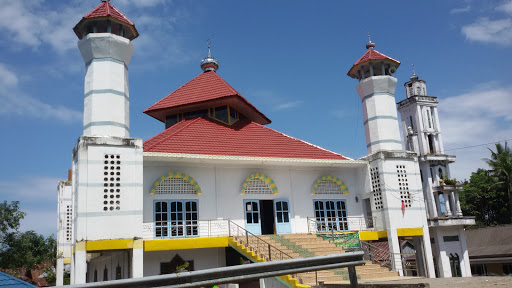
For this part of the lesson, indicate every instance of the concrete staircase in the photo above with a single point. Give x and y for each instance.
(308, 245)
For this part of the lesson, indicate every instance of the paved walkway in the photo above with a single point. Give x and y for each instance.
(463, 282)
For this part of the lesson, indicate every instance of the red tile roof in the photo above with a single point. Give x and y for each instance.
(106, 9)
(206, 87)
(371, 54)
(244, 138)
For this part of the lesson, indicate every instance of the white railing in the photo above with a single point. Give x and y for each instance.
(340, 224)
(202, 228)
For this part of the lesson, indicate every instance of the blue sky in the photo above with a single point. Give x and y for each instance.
(289, 58)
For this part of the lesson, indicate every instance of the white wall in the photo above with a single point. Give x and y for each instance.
(221, 186)
(205, 258)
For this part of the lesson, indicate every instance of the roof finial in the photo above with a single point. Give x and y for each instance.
(370, 44)
(209, 63)
(414, 77)
(209, 47)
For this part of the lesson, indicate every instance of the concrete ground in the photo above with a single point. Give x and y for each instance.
(458, 282)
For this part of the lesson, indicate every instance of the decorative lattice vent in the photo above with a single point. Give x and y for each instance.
(257, 186)
(112, 182)
(328, 187)
(175, 185)
(377, 193)
(68, 223)
(403, 186)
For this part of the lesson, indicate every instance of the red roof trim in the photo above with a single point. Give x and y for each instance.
(370, 55)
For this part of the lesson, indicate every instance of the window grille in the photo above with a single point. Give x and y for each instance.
(403, 185)
(328, 187)
(175, 185)
(257, 186)
(68, 223)
(377, 193)
(112, 182)
(176, 218)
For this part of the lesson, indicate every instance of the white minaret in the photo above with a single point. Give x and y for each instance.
(105, 44)
(377, 92)
(395, 196)
(107, 164)
(422, 134)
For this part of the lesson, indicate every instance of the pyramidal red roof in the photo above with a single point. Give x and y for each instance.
(106, 9)
(371, 54)
(205, 87)
(244, 138)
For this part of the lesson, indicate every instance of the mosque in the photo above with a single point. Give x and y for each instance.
(182, 199)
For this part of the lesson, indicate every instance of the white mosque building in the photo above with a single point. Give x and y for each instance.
(134, 208)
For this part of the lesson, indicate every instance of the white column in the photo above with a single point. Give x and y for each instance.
(431, 273)
(59, 270)
(447, 203)
(394, 250)
(438, 205)
(80, 263)
(465, 266)
(457, 203)
(72, 270)
(138, 259)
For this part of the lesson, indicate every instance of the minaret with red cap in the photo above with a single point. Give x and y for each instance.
(377, 91)
(396, 198)
(105, 43)
(107, 176)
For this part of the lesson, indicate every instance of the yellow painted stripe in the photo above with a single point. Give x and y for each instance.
(403, 232)
(138, 244)
(80, 246)
(372, 235)
(185, 243)
(109, 244)
(67, 260)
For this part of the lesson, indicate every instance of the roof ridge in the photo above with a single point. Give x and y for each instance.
(173, 133)
(227, 84)
(172, 92)
(300, 140)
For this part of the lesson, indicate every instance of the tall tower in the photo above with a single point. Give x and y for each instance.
(422, 132)
(107, 165)
(376, 89)
(395, 196)
(105, 43)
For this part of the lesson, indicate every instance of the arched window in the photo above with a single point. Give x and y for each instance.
(105, 274)
(330, 185)
(176, 183)
(259, 184)
(455, 265)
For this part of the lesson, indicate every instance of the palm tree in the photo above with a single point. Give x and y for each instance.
(501, 166)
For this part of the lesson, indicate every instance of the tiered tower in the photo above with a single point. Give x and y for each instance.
(107, 164)
(422, 132)
(396, 196)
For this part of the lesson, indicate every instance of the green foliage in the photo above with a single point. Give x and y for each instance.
(483, 198)
(501, 167)
(10, 216)
(26, 250)
(51, 277)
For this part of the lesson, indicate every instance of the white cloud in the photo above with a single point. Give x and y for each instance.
(460, 10)
(492, 31)
(275, 101)
(505, 7)
(477, 117)
(38, 198)
(141, 3)
(16, 102)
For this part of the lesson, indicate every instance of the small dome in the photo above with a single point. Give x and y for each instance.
(370, 45)
(414, 77)
(209, 63)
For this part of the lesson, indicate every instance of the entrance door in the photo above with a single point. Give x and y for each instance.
(252, 216)
(282, 217)
(259, 216)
